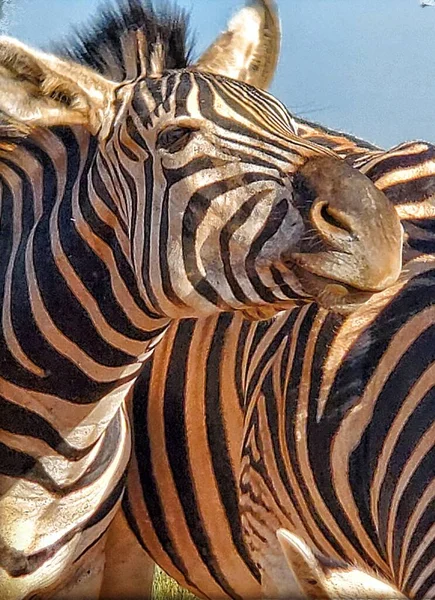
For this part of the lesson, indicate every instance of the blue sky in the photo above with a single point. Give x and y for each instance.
(363, 66)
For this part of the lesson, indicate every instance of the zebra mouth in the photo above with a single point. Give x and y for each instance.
(331, 294)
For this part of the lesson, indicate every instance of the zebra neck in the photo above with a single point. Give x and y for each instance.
(74, 325)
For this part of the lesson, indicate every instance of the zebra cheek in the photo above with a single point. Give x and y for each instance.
(287, 238)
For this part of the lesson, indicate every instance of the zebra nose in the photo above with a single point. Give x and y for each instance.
(359, 230)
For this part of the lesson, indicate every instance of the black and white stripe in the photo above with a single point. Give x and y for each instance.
(310, 421)
(127, 198)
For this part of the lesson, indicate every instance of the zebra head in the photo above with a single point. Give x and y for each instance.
(223, 205)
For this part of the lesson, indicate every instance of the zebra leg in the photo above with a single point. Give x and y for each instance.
(128, 571)
(86, 576)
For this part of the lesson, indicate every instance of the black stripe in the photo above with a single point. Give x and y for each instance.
(170, 81)
(183, 87)
(102, 191)
(261, 328)
(423, 562)
(128, 511)
(147, 268)
(416, 190)
(424, 525)
(291, 406)
(237, 220)
(140, 106)
(17, 464)
(416, 426)
(164, 250)
(23, 421)
(177, 452)
(270, 228)
(6, 237)
(142, 448)
(27, 203)
(197, 164)
(389, 164)
(105, 507)
(270, 350)
(217, 442)
(285, 288)
(239, 365)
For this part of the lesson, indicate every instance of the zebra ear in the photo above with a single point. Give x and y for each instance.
(249, 49)
(329, 579)
(39, 89)
(303, 564)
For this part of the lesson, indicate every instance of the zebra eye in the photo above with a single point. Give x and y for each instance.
(174, 139)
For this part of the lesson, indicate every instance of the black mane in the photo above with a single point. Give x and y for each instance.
(110, 45)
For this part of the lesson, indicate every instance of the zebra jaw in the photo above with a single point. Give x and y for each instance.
(321, 577)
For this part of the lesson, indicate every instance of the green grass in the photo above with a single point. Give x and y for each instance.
(165, 588)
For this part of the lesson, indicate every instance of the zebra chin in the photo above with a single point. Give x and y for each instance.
(329, 293)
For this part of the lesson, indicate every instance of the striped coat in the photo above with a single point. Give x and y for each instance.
(312, 422)
(121, 165)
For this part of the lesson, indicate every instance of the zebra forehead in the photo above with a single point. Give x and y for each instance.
(214, 98)
(130, 39)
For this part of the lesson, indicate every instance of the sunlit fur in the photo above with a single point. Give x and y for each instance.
(308, 421)
(106, 233)
(323, 578)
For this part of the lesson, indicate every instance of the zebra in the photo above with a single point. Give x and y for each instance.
(138, 187)
(245, 429)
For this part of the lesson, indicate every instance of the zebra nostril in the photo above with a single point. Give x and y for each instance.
(334, 219)
(330, 221)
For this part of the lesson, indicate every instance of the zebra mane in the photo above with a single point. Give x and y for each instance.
(131, 39)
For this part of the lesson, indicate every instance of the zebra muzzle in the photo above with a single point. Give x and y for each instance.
(354, 236)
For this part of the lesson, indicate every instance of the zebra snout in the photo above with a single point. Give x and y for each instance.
(354, 235)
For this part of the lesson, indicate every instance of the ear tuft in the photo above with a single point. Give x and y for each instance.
(322, 577)
(303, 564)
